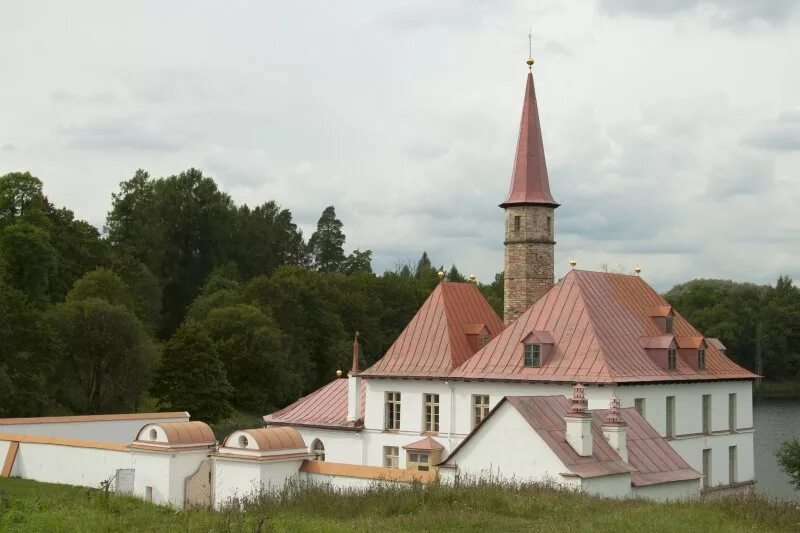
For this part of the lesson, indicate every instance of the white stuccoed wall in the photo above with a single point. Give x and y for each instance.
(239, 478)
(119, 431)
(618, 486)
(508, 448)
(51, 463)
(678, 490)
(151, 470)
(340, 446)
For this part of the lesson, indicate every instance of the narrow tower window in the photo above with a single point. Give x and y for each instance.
(517, 223)
(549, 226)
(701, 359)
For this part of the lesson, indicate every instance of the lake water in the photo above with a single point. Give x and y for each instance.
(775, 421)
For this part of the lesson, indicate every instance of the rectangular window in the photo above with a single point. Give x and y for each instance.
(671, 359)
(517, 223)
(732, 411)
(533, 355)
(392, 410)
(706, 468)
(706, 413)
(419, 461)
(732, 464)
(701, 359)
(670, 322)
(391, 456)
(638, 404)
(432, 413)
(670, 416)
(549, 226)
(480, 408)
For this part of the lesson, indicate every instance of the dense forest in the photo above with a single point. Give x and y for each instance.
(186, 297)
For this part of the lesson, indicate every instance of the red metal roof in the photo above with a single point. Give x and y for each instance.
(649, 453)
(326, 407)
(428, 443)
(651, 459)
(529, 182)
(598, 321)
(436, 340)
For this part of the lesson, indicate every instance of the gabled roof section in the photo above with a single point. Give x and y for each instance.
(651, 460)
(529, 182)
(601, 326)
(649, 453)
(436, 340)
(326, 407)
(426, 444)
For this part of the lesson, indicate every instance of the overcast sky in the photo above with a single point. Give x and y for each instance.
(671, 127)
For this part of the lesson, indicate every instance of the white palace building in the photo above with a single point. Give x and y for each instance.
(594, 383)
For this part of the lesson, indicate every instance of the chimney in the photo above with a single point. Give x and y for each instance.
(354, 387)
(579, 423)
(615, 430)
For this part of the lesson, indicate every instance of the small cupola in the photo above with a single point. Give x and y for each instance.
(537, 347)
(579, 423)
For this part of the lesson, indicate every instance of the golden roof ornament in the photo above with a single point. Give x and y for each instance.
(530, 51)
(473, 279)
(441, 275)
(338, 373)
(573, 262)
(637, 269)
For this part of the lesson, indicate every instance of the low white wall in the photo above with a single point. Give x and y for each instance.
(119, 431)
(678, 490)
(618, 486)
(151, 470)
(236, 479)
(53, 463)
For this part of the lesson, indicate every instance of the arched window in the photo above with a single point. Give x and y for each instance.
(243, 441)
(318, 449)
(153, 434)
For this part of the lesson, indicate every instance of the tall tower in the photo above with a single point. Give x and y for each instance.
(529, 212)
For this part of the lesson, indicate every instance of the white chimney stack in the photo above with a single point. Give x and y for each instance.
(579, 423)
(354, 387)
(615, 430)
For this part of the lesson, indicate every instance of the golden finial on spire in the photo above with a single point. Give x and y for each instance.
(530, 51)
(638, 270)
(441, 275)
(573, 262)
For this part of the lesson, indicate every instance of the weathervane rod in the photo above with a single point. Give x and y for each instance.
(530, 50)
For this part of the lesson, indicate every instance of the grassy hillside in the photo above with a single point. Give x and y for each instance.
(30, 506)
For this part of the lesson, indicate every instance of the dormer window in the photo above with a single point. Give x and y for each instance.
(671, 359)
(533, 355)
(483, 339)
(669, 323)
(701, 359)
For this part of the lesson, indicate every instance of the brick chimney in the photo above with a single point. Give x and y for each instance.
(354, 387)
(579, 423)
(615, 430)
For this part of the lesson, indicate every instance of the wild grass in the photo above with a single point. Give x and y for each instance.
(30, 506)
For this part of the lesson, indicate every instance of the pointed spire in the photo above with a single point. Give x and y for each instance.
(354, 369)
(529, 182)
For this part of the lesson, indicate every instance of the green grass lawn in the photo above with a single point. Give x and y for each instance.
(31, 506)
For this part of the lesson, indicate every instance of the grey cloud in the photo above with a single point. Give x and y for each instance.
(68, 97)
(780, 135)
(118, 134)
(448, 14)
(741, 174)
(725, 12)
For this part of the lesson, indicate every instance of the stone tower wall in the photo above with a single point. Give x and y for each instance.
(529, 250)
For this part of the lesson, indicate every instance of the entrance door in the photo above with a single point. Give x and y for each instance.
(199, 490)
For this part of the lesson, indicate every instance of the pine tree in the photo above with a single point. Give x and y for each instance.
(326, 244)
